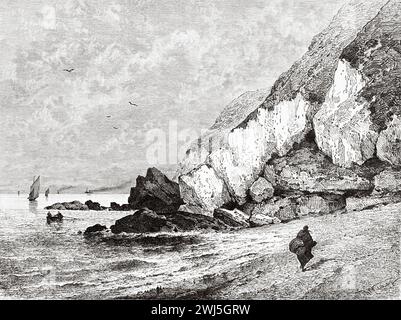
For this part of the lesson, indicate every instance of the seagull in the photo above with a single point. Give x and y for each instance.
(69, 70)
(115, 128)
(108, 116)
(132, 104)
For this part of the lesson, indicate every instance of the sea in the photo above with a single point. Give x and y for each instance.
(56, 261)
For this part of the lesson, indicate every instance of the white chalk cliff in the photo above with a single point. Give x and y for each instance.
(342, 96)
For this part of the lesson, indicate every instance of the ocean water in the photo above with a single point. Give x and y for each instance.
(40, 261)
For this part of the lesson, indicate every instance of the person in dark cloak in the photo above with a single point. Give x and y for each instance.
(302, 246)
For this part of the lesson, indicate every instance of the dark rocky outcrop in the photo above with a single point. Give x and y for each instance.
(119, 207)
(156, 192)
(95, 229)
(95, 206)
(144, 220)
(234, 218)
(74, 205)
(147, 221)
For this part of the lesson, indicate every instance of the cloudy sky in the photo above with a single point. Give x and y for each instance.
(180, 61)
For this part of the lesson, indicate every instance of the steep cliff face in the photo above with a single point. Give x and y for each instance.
(359, 117)
(329, 92)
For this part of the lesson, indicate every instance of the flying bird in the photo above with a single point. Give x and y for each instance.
(133, 104)
(108, 116)
(115, 128)
(69, 70)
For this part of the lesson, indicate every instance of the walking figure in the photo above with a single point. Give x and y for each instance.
(302, 246)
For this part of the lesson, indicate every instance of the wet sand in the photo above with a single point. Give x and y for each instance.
(357, 257)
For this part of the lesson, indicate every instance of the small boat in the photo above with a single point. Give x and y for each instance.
(47, 192)
(34, 191)
(88, 191)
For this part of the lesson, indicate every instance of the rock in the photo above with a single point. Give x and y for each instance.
(204, 189)
(193, 209)
(287, 214)
(237, 150)
(156, 192)
(309, 170)
(95, 229)
(314, 204)
(370, 202)
(56, 206)
(273, 206)
(259, 220)
(117, 207)
(144, 220)
(389, 143)
(292, 207)
(234, 218)
(147, 221)
(261, 190)
(389, 181)
(74, 205)
(185, 221)
(94, 206)
(343, 125)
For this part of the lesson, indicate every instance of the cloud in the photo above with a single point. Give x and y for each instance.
(178, 60)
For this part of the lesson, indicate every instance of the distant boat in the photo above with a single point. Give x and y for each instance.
(34, 191)
(88, 191)
(47, 192)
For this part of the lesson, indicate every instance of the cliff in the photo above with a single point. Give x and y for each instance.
(340, 101)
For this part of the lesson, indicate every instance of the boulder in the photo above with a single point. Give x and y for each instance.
(74, 205)
(308, 170)
(319, 205)
(370, 202)
(156, 192)
(388, 181)
(234, 218)
(292, 207)
(144, 220)
(204, 189)
(259, 220)
(185, 221)
(193, 209)
(389, 143)
(261, 190)
(94, 229)
(117, 207)
(94, 206)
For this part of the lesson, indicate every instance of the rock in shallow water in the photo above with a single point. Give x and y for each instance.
(147, 221)
(94, 229)
(144, 220)
(74, 205)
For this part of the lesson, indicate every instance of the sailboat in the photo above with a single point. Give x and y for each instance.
(34, 191)
(47, 192)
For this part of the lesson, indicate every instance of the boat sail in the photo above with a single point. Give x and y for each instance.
(34, 191)
(47, 192)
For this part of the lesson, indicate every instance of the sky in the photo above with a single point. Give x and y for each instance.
(180, 61)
